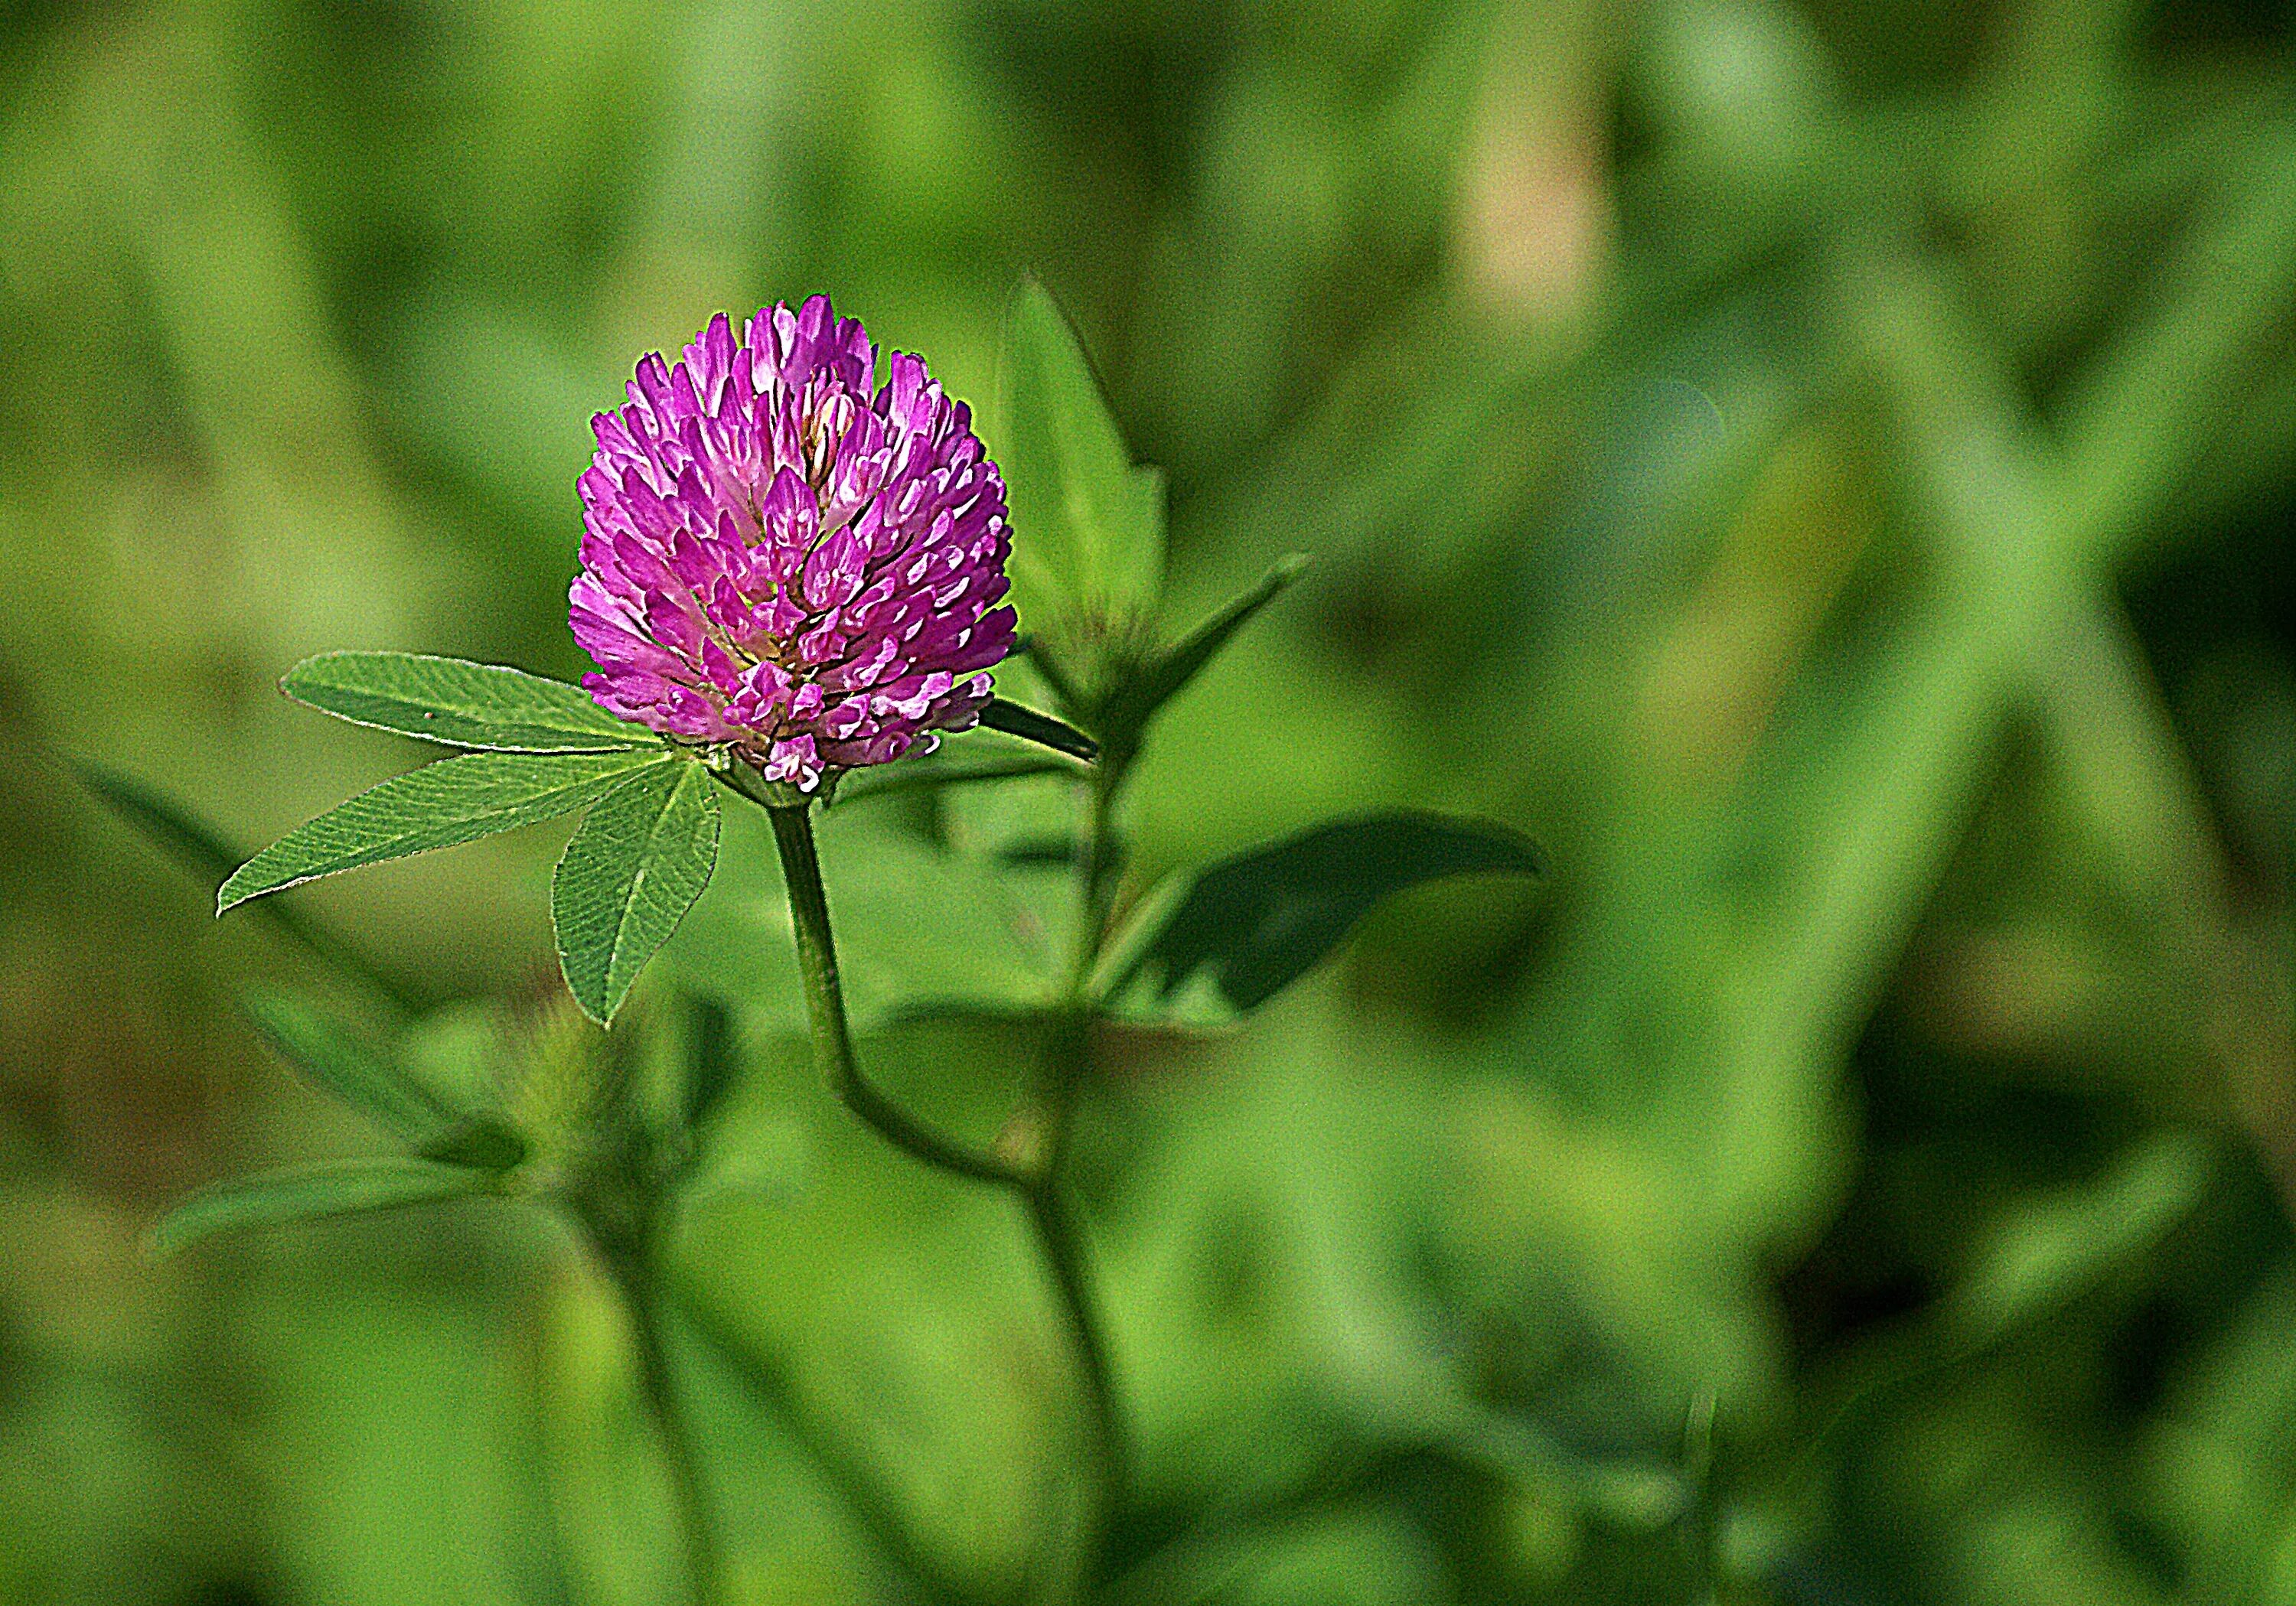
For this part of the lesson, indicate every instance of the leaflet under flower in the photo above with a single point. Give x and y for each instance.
(783, 559)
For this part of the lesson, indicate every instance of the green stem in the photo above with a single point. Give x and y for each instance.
(832, 1037)
(1096, 874)
(1701, 1531)
(855, 1486)
(1063, 1250)
(704, 1567)
(1049, 1214)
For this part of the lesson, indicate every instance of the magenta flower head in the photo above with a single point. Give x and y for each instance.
(785, 559)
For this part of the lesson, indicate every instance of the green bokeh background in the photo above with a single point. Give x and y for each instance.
(1828, 471)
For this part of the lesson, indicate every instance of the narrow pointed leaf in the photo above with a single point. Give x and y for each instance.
(628, 878)
(458, 703)
(1249, 926)
(1042, 729)
(324, 1050)
(308, 1192)
(1166, 674)
(456, 799)
(191, 842)
(1088, 526)
(210, 857)
(893, 780)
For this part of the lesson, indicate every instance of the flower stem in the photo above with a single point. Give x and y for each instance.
(1038, 1185)
(1700, 1531)
(832, 1038)
(1096, 867)
(1048, 1208)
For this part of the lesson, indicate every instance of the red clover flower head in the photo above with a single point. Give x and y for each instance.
(784, 558)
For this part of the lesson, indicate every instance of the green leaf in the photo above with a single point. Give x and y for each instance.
(1087, 525)
(2045, 1252)
(893, 779)
(628, 878)
(456, 799)
(1249, 926)
(1165, 676)
(1010, 717)
(459, 703)
(485, 1142)
(192, 842)
(306, 1193)
(322, 1050)
(211, 856)
(712, 1058)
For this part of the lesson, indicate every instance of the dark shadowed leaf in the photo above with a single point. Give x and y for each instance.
(893, 780)
(455, 800)
(328, 1053)
(628, 878)
(338, 1188)
(459, 703)
(1251, 925)
(485, 1141)
(1042, 729)
(712, 1057)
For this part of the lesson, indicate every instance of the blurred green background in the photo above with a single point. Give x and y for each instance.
(1826, 470)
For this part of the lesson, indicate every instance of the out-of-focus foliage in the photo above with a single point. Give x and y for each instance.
(1825, 471)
